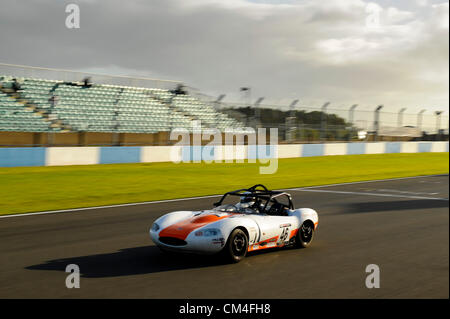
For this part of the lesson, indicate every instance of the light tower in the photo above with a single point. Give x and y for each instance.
(323, 122)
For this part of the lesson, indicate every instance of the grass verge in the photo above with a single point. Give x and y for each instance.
(29, 189)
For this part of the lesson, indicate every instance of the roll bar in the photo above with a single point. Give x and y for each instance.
(253, 191)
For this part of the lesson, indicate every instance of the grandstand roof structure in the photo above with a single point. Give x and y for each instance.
(42, 105)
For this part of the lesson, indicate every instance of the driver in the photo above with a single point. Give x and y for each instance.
(249, 202)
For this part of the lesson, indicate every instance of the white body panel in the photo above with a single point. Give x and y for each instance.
(264, 231)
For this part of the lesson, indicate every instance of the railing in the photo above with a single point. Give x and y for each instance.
(19, 71)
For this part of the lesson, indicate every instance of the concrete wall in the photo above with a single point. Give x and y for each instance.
(49, 139)
(51, 156)
(18, 138)
(72, 155)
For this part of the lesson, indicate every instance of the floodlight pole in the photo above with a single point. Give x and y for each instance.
(217, 106)
(323, 122)
(438, 123)
(247, 93)
(419, 119)
(400, 117)
(292, 107)
(351, 112)
(376, 123)
(257, 111)
(290, 120)
(219, 99)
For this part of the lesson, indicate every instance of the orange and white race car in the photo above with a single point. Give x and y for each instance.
(261, 219)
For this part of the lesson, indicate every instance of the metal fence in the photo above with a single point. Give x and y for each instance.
(376, 121)
(19, 71)
(359, 118)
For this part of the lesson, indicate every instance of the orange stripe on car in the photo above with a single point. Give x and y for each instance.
(293, 233)
(258, 246)
(182, 229)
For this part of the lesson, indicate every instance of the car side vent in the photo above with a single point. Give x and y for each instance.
(172, 241)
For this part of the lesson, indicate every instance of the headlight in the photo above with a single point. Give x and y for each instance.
(155, 227)
(208, 232)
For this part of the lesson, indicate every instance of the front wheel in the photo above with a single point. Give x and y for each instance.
(305, 235)
(237, 246)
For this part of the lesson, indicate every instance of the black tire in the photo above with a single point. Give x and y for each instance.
(237, 245)
(305, 235)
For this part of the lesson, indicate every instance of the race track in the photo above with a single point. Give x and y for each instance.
(400, 225)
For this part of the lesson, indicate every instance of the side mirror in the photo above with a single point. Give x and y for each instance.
(216, 204)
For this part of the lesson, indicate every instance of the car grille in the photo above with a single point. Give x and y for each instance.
(172, 241)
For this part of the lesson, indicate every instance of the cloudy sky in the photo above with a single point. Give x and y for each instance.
(344, 51)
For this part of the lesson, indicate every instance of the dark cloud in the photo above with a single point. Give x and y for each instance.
(309, 49)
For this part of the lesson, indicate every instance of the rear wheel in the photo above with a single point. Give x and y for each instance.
(305, 235)
(237, 246)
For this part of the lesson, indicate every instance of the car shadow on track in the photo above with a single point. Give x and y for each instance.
(402, 205)
(129, 261)
(132, 261)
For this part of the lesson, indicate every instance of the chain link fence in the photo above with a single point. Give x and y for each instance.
(340, 124)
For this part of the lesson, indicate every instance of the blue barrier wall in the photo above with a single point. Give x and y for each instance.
(356, 148)
(22, 156)
(117, 154)
(197, 153)
(424, 147)
(313, 150)
(41, 156)
(393, 147)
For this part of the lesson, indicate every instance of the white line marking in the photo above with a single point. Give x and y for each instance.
(364, 182)
(404, 192)
(369, 194)
(106, 206)
(200, 197)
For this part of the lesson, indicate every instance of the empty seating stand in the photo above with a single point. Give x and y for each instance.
(14, 116)
(103, 108)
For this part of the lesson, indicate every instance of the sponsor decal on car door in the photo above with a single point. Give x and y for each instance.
(274, 231)
(284, 237)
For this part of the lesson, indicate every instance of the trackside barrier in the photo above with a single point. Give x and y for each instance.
(56, 156)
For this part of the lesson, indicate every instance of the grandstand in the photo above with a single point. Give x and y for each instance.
(38, 105)
(100, 108)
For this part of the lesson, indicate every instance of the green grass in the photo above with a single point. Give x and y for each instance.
(50, 188)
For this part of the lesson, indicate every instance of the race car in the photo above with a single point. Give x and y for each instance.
(260, 219)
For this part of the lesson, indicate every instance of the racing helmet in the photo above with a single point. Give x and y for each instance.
(247, 201)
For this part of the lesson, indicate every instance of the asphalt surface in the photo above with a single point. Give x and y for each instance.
(400, 225)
